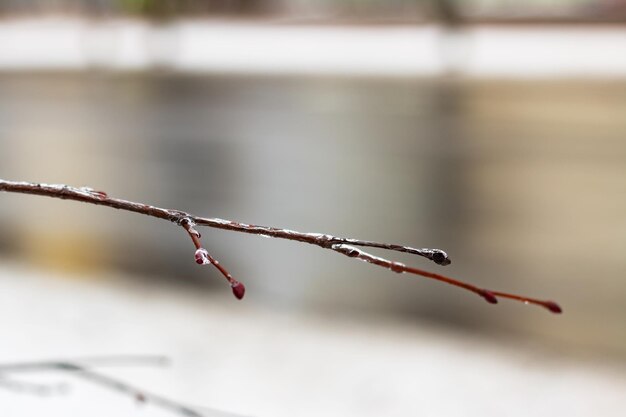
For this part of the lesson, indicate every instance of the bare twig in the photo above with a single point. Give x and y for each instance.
(204, 258)
(345, 246)
(83, 368)
(90, 361)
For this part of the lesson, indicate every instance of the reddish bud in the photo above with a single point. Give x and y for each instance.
(238, 289)
(202, 257)
(488, 296)
(553, 307)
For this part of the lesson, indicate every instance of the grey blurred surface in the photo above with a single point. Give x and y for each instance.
(251, 360)
(522, 182)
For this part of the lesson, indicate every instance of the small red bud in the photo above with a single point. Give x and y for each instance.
(489, 296)
(553, 307)
(202, 257)
(238, 289)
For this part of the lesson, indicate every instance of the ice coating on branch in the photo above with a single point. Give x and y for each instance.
(202, 257)
(439, 257)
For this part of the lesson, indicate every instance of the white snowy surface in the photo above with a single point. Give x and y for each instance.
(247, 360)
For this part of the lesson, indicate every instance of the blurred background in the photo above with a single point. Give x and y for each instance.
(492, 129)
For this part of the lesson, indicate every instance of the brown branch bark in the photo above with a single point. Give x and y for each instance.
(345, 246)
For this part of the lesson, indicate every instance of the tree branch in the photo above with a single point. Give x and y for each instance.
(345, 246)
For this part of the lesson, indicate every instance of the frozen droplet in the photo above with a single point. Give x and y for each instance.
(553, 307)
(202, 257)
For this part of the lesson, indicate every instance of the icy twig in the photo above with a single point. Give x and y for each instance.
(345, 246)
(203, 257)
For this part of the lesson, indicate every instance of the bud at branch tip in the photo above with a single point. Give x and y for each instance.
(238, 289)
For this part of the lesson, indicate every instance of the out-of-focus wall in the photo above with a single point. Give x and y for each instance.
(421, 123)
(521, 181)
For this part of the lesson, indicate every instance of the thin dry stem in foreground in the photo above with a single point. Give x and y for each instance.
(83, 368)
(345, 246)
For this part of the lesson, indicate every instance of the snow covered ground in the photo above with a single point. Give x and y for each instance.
(247, 360)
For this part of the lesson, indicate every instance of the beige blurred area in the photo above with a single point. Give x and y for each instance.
(492, 131)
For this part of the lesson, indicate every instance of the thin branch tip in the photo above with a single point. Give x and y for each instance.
(553, 307)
